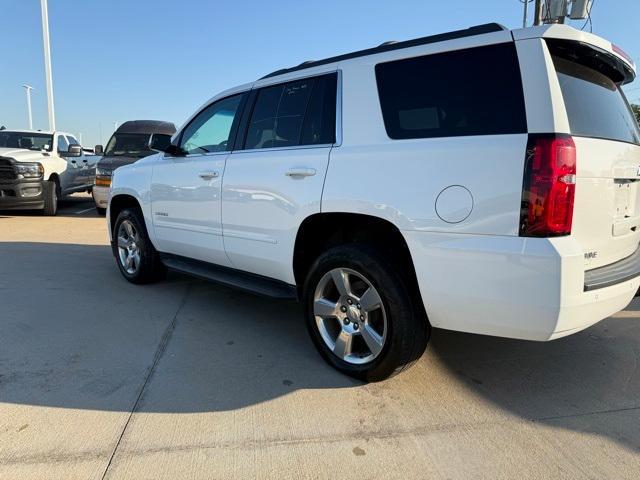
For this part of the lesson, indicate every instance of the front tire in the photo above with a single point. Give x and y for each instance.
(361, 314)
(50, 192)
(136, 256)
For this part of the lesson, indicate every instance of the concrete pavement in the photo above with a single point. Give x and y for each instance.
(183, 379)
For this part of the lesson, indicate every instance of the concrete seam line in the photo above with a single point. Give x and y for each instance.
(162, 346)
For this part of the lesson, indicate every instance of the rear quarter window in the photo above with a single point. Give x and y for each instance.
(476, 91)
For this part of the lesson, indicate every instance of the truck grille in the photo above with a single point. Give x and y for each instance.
(7, 173)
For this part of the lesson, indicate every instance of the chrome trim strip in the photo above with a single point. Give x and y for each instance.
(207, 230)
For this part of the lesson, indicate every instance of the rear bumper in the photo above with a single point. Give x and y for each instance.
(22, 195)
(101, 196)
(526, 288)
(609, 275)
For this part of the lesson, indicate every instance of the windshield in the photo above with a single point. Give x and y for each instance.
(129, 145)
(27, 140)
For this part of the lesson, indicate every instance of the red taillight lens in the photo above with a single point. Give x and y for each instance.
(549, 186)
(623, 54)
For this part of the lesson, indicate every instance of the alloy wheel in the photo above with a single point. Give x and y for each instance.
(128, 247)
(350, 316)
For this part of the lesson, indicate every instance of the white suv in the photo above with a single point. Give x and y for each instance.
(484, 180)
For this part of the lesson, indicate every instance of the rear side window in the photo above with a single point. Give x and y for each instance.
(595, 105)
(476, 91)
(301, 112)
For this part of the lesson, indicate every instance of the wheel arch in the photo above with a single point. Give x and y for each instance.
(321, 231)
(54, 177)
(118, 203)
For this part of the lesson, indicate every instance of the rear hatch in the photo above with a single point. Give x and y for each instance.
(606, 217)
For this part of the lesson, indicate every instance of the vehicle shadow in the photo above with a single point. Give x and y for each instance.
(588, 382)
(74, 334)
(76, 205)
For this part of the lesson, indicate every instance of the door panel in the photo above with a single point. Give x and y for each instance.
(186, 206)
(87, 165)
(275, 178)
(266, 196)
(70, 177)
(186, 188)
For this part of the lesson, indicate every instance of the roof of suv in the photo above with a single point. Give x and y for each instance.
(390, 46)
(147, 126)
(623, 62)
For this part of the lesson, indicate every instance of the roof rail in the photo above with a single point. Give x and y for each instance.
(390, 46)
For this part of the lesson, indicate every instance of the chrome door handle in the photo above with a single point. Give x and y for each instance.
(208, 175)
(300, 172)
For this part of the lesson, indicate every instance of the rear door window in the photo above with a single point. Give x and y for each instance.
(476, 91)
(301, 112)
(596, 106)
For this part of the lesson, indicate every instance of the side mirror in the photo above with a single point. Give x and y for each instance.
(74, 151)
(162, 143)
(159, 142)
(98, 150)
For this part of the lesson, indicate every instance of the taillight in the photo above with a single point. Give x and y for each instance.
(623, 54)
(549, 186)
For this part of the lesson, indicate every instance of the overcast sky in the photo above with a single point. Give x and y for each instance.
(118, 60)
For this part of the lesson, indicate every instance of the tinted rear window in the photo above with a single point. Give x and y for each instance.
(595, 105)
(301, 112)
(476, 91)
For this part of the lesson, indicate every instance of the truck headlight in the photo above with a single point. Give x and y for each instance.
(103, 177)
(29, 170)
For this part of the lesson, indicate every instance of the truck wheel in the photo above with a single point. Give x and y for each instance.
(50, 191)
(136, 257)
(101, 211)
(361, 314)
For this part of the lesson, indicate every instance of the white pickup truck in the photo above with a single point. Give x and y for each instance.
(37, 168)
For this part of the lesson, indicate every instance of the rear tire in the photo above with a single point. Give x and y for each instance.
(101, 211)
(50, 192)
(135, 255)
(395, 316)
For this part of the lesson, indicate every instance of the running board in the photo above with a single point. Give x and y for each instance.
(249, 282)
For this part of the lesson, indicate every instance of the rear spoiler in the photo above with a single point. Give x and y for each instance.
(618, 65)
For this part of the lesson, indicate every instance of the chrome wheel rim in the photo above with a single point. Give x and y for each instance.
(350, 316)
(128, 247)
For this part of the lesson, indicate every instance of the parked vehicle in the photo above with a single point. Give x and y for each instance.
(484, 181)
(38, 168)
(128, 144)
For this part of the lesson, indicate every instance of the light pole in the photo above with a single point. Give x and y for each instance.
(537, 16)
(27, 90)
(526, 14)
(47, 64)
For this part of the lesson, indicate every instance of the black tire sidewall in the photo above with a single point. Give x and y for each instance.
(407, 329)
(51, 198)
(148, 269)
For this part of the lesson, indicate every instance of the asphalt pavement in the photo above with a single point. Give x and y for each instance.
(186, 380)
